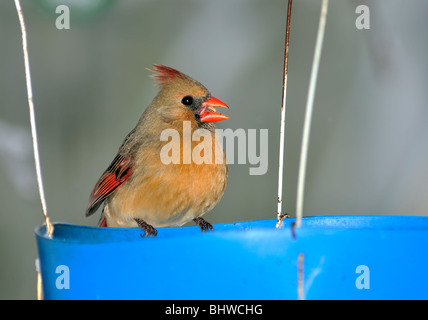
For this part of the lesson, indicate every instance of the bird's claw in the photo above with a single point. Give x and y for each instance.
(148, 229)
(204, 225)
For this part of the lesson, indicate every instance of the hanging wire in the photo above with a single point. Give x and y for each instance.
(39, 281)
(308, 115)
(280, 215)
(49, 226)
(300, 276)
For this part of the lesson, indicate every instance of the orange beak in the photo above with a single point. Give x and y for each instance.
(208, 112)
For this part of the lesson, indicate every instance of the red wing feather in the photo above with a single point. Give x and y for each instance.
(116, 174)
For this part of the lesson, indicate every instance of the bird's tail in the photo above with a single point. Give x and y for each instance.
(102, 222)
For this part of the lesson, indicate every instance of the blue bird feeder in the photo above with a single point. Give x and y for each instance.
(341, 257)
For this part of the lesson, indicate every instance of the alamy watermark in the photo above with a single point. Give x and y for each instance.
(363, 280)
(63, 20)
(63, 280)
(203, 147)
(363, 20)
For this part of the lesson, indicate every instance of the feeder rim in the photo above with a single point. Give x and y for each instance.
(312, 223)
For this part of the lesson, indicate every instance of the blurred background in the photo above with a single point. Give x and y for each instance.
(369, 142)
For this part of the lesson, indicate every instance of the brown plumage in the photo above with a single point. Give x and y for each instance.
(138, 189)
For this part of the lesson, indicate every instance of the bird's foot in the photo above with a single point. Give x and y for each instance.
(148, 229)
(204, 225)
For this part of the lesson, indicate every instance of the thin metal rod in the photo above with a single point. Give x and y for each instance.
(283, 108)
(49, 226)
(39, 280)
(308, 115)
(300, 277)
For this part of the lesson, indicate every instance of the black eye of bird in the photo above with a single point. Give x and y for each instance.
(187, 100)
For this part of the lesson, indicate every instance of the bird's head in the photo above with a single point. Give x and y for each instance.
(183, 98)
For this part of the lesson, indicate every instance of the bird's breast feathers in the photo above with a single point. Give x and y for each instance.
(174, 193)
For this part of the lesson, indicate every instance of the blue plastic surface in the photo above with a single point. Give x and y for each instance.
(245, 260)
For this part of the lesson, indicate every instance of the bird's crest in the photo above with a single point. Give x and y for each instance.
(163, 74)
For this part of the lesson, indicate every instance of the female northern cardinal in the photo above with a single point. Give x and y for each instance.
(138, 188)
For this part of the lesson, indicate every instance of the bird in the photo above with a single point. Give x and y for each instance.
(138, 189)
